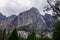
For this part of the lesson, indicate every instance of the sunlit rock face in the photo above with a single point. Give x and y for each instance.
(33, 18)
(30, 17)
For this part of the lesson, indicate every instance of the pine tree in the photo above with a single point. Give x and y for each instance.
(46, 38)
(32, 36)
(1, 34)
(56, 26)
(14, 35)
(56, 31)
(4, 35)
(21, 38)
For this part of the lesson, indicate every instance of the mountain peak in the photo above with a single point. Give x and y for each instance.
(33, 8)
(1, 14)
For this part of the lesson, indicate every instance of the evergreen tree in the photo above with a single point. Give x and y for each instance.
(0, 34)
(54, 7)
(56, 26)
(4, 35)
(14, 35)
(44, 38)
(21, 38)
(56, 31)
(32, 36)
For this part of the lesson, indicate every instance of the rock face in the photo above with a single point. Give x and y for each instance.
(11, 22)
(2, 21)
(49, 20)
(7, 22)
(31, 17)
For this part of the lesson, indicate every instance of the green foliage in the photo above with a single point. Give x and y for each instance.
(58, 15)
(56, 31)
(21, 38)
(54, 16)
(25, 28)
(3, 35)
(14, 35)
(44, 38)
(32, 36)
(57, 3)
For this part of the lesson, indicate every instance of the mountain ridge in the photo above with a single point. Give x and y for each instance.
(31, 17)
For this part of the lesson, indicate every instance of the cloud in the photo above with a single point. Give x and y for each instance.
(2, 3)
(10, 7)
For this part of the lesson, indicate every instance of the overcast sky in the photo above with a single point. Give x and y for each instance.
(10, 7)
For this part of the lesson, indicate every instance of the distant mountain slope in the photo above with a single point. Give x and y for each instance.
(2, 21)
(49, 19)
